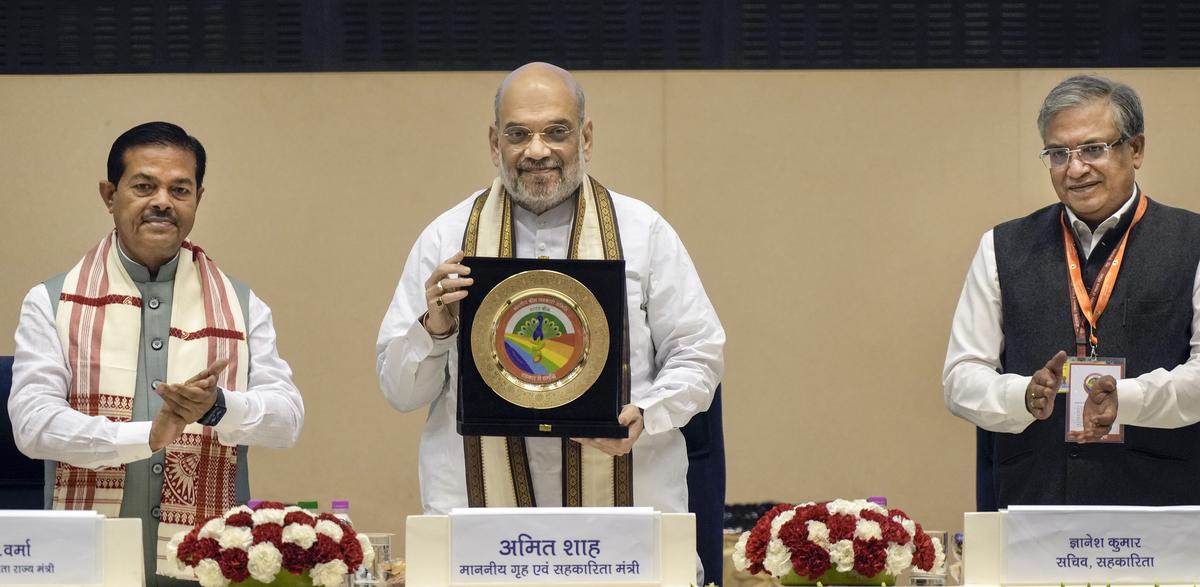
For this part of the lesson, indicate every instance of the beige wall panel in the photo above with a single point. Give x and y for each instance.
(832, 216)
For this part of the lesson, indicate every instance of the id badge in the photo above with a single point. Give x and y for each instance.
(1078, 377)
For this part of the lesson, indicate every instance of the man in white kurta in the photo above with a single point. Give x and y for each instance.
(131, 452)
(675, 338)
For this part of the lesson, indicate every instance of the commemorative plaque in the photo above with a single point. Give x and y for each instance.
(540, 348)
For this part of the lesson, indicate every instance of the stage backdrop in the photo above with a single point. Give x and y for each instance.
(832, 216)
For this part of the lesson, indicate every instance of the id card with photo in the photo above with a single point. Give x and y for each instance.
(1080, 377)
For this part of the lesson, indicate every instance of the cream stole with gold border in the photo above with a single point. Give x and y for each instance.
(498, 467)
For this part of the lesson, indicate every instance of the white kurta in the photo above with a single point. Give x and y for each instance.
(676, 353)
(976, 391)
(46, 427)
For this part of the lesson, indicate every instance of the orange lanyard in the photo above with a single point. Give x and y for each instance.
(1092, 304)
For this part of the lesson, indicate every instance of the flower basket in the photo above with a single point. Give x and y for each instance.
(269, 545)
(832, 577)
(837, 542)
(284, 579)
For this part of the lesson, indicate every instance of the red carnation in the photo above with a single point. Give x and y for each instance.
(756, 544)
(240, 520)
(295, 558)
(298, 518)
(793, 533)
(205, 548)
(269, 505)
(233, 564)
(352, 552)
(268, 532)
(894, 532)
(810, 560)
(841, 527)
(336, 520)
(324, 549)
(898, 512)
(872, 516)
(816, 511)
(923, 555)
(869, 557)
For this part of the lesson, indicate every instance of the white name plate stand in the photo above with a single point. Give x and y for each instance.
(552, 547)
(1052, 546)
(69, 549)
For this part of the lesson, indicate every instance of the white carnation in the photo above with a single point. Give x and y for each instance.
(778, 560)
(235, 537)
(175, 567)
(868, 530)
(268, 516)
(213, 528)
(739, 552)
(264, 562)
(841, 554)
(330, 574)
(909, 525)
(780, 520)
(301, 535)
(237, 510)
(330, 529)
(209, 573)
(939, 557)
(843, 506)
(874, 507)
(818, 533)
(899, 558)
(287, 509)
(368, 551)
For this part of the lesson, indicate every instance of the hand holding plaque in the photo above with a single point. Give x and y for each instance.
(444, 289)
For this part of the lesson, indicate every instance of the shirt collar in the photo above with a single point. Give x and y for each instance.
(141, 274)
(1080, 226)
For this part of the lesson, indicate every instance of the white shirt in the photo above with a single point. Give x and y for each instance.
(676, 353)
(46, 427)
(975, 391)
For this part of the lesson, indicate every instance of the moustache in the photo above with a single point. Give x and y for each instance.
(159, 217)
(528, 165)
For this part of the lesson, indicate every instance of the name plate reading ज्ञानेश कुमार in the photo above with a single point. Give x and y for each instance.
(1102, 544)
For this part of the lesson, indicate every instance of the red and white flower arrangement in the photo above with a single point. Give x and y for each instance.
(844, 536)
(262, 542)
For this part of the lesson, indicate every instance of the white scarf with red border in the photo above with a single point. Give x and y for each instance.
(99, 322)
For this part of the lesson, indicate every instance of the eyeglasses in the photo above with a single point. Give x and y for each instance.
(553, 134)
(1089, 153)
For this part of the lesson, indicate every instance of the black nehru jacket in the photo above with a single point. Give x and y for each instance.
(1148, 322)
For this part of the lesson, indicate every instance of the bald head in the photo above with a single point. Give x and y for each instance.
(537, 82)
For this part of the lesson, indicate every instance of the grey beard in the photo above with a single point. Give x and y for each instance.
(542, 200)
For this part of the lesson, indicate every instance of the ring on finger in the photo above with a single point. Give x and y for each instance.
(438, 300)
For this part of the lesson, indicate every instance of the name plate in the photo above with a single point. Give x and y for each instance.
(50, 547)
(1057, 544)
(521, 546)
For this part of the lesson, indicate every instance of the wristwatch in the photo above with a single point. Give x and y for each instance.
(214, 414)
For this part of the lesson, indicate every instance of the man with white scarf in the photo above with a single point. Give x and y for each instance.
(540, 142)
(142, 374)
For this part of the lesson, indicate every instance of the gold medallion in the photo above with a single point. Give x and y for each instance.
(540, 339)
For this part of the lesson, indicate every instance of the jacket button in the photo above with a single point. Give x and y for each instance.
(157, 468)
(154, 511)
(153, 303)
(1074, 452)
(156, 344)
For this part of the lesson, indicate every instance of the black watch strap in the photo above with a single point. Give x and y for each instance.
(214, 414)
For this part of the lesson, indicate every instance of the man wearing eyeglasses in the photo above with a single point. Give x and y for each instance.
(1106, 280)
(546, 205)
